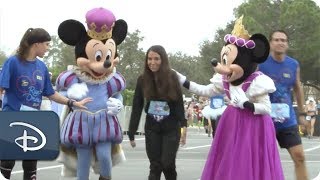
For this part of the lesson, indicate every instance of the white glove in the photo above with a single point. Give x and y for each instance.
(182, 78)
(239, 97)
(114, 106)
(78, 91)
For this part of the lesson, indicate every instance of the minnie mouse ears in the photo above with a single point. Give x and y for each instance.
(257, 43)
(261, 51)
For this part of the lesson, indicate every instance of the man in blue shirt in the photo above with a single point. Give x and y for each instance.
(285, 72)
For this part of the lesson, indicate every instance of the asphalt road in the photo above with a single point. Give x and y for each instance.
(190, 161)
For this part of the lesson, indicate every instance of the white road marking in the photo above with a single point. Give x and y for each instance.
(195, 147)
(290, 161)
(138, 139)
(317, 178)
(183, 148)
(57, 166)
(60, 166)
(39, 169)
(311, 149)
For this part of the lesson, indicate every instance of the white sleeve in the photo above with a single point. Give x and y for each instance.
(258, 93)
(262, 104)
(215, 88)
(261, 85)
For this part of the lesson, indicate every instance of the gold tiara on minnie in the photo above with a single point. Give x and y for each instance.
(100, 22)
(239, 36)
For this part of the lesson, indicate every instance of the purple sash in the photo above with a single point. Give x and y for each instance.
(245, 85)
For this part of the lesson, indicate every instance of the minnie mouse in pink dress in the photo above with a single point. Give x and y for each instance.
(245, 146)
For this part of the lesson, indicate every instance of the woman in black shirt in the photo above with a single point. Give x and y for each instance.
(159, 90)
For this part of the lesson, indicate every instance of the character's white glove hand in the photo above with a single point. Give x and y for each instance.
(182, 78)
(114, 106)
(239, 97)
(78, 91)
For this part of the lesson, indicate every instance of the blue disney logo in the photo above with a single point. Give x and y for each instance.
(33, 95)
(31, 87)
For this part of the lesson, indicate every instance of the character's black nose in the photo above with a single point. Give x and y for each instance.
(107, 63)
(214, 62)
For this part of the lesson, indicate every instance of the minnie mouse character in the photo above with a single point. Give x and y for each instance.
(97, 127)
(244, 147)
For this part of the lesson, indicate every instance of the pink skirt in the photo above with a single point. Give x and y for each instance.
(244, 148)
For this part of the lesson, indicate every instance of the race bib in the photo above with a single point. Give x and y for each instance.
(159, 110)
(280, 112)
(27, 108)
(216, 102)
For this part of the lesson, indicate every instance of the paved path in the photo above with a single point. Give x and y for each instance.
(190, 161)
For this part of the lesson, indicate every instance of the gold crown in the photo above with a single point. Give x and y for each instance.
(103, 34)
(239, 30)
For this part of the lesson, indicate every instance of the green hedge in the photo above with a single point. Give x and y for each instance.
(127, 95)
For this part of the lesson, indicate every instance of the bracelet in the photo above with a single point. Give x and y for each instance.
(70, 103)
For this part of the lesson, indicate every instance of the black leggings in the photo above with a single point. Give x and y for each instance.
(214, 124)
(29, 168)
(161, 149)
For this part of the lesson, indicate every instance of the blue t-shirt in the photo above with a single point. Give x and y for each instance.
(284, 76)
(25, 82)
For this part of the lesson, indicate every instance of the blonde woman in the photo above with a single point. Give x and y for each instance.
(311, 110)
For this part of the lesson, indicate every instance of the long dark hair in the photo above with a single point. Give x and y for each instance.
(31, 36)
(163, 84)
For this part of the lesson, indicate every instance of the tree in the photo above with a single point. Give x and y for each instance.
(304, 33)
(211, 50)
(59, 57)
(299, 18)
(188, 66)
(131, 58)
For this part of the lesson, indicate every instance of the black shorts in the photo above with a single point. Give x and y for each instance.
(288, 137)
